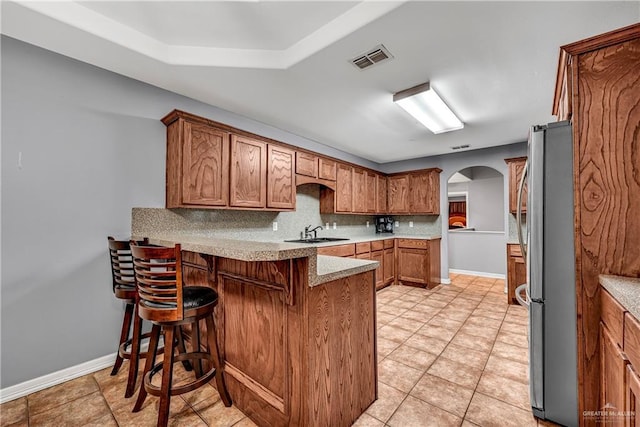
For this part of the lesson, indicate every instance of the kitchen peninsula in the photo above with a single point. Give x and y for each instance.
(296, 330)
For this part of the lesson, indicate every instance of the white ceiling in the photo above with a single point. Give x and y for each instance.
(287, 63)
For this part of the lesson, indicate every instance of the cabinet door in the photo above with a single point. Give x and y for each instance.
(413, 265)
(613, 375)
(632, 404)
(433, 198)
(344, 186)
(516, 272)
(306, 164)
(389, 265)
(379, 256)
(281, 188)
(359, 190)
(516, 168)
(326, 169)
(205, 166)
(381, 195)
(419, 199)
(398, 193)
(371, 197)
(248, 172)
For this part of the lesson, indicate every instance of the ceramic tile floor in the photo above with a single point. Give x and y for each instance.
(455, 355)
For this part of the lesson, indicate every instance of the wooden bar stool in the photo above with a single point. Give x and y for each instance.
(163, 300)
(124, 288)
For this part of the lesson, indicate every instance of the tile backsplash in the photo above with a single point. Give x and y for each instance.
(258, 225)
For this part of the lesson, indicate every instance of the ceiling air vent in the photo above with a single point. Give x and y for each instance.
(374, 56)
(460, 147)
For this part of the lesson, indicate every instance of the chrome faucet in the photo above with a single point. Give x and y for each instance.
(308, 230)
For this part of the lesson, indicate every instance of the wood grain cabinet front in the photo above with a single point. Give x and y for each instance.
(197, 167)
(281, 188)
(516, 271)
(359, 188)
(248, 177)
(416, 192)
(306, 164)
(418, 262)
(516, 169)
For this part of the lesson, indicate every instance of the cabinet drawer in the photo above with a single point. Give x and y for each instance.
(363, 247)
(388, 243)
(632, 339)
(412, 243)
(365, 255)
(340, 250)
(377, 245)
(514, 250)
(612, 316)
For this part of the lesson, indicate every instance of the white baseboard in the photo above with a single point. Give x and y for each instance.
(55, 378)
(477, 273)
(445, 281)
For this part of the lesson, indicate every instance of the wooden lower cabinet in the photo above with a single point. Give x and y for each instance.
(379, 256)
(619, 362)
(303, 358)
(632, 397)
(516, 271)
(418, 262)
(389, 267)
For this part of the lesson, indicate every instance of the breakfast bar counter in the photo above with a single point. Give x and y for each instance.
(296, 330)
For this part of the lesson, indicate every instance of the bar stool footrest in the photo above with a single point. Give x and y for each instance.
(184, 388)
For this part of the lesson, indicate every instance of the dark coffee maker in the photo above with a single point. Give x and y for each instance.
(384, 224)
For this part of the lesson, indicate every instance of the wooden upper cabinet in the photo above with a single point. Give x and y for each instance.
(248, 180)
(307, 164)
(381, 194)
(371, 196)
(359, 190)
(205, 165)
(326, 169)
(344, 186)
(281, 187)
(398, 193)
(516, 169)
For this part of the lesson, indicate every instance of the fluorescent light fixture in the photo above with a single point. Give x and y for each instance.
(424, 104)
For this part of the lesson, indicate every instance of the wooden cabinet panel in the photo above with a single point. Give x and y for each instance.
(248, 172)
(326, 169)
(306, 164)
(389, 271)
(359, 190)
(420, 193)
(338, 250)
(398, 193)
(381, 194)
(372, 190)
(281, 188)
(377, 245)
(388, 243)
(632, 399)
(612, 316)
(363, 247)
(365, 255)
(516, 271)
(379, 256)
(516, 169)
(344, 186)
(413, 265)
(632, 339)
(205, 165)
(413, 243)
(613, 380)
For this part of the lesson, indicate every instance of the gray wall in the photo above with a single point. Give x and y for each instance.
(451, 163)
(92, 148)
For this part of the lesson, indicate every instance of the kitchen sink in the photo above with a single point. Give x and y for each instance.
(317, 240)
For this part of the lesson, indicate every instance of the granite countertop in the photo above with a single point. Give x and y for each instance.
(322, 268)
(626, 290)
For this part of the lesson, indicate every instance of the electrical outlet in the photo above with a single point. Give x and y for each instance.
(397, 224)
(326, 226)
(367, 224)
(410, 224)
(334, 226)
(275, 225)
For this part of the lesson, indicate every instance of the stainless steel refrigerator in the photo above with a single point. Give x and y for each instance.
(550, 292)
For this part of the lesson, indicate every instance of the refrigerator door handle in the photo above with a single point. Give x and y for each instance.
(523, 301)
(523, 178)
